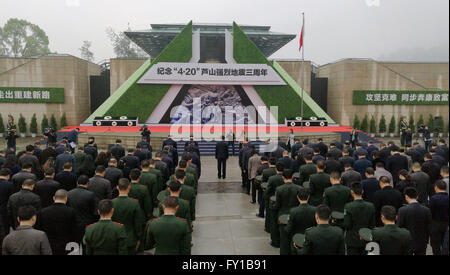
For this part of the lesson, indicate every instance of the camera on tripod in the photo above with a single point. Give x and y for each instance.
(421, 129)
(48, 130)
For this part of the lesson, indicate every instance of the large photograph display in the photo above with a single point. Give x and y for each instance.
(213, 98)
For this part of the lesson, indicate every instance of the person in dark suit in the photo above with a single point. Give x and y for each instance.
(6, 190)
(22, 198)
(371, 148)
(29, 157)
(286, 160)
(63, 158)
(221, 156)
(417, 219)
(170, 141)
(395, 163)
(333, 165)
(415, 155)
(322, 147)
(117, 151)
(47, 187)
(438, 159)
(85, 204)
(350, 175)
(90, 148)
(386, 196)
(19, 178)
(439, 211)
(346, 158)
(59, 222)
(370, 185)
(67, 178)
(99, 185)
(334, 152)
(432, 170)
(361, 164)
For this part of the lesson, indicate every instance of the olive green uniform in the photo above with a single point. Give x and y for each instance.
(305, 172)
(190, 180)
(128, 212)
(159, 177)
(357, 214)
(266, 174)
(317, 185)
(323, 239)
(151, 182)
(140, 192)
(271, 213)
(105, 238)
(336, 197)
(301, 218)
(169, 234)
(393, 240)
(286, 199)
(187, 193)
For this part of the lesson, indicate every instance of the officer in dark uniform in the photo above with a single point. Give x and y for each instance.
(105, 237)
(271, 216)
(392, 239)
(157, 172)
(140, 193)
(337, 195)
(286, 198)
(128, 212)
(318, 183)
(266, 174)
(357, 214)
(323, 239)
(90, 148)
(187, 192)
(150, 180)
(300, 217)
(168, 233)
(306, 170)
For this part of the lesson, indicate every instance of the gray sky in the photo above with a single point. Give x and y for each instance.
(381, 29)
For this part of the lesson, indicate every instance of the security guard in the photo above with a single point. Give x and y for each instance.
(318, 183)
(150, 180)
(392, 239)
(187, 192)
(105, 237)
(266, 174)
(140, 192)
(286, 198)
(128, 212)
(306, 170)
(272, 216)
(183, 205)
(337, 195)
(301, 217)
(323, 239)
(357, 214)
(168, 233)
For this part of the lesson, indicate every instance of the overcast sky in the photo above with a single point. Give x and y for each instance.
(407, 30)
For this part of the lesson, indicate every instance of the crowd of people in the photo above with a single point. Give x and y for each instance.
(318, 198)
(117, 201)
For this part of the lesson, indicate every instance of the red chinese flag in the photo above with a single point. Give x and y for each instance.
(301, 40)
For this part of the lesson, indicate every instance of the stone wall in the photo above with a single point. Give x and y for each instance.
(121, 69)
(60, 71)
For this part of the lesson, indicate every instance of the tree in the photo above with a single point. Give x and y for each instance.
(411, 124)
(356, 123)
(373, 126)
(392, 125)
(420, 121)
(430, 123)
(2, 126)
(63, 122)
(365, 124)
(53, 122)
(85, 52)
(382, 125)
(33, 124)
(441, 124)
(44, 123)
(22, 125)
(20, 38)
(123, 46)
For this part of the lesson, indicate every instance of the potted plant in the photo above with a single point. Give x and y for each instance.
(392, 127)
(22, 126)
(441, 126)
(430, 123)
(44, 123)
(420, 122)
(2, 126)
(372, 127)
(63, 121)
(382, 126)
(356, 123)
(365, 124)
(53, 122)
(33, 126)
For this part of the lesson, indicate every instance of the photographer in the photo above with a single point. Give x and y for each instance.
(50, 133)
(145, 133)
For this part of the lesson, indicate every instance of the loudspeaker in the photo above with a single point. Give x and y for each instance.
(122, 121)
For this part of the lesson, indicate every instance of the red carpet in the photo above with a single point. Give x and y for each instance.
(166, 128)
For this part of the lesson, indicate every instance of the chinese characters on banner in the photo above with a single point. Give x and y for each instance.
(400, 97)
(31, 95)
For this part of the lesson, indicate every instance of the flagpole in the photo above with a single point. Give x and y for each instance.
(303, 68)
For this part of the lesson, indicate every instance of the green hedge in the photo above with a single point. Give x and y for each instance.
(246, 52)
(141, 100)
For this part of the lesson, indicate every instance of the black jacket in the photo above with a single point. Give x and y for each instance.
(101, 187)
(47, 153)
(6, 190)
(386, 196)
(334, 153)
(394, 164)
(20, 177)
(19, 199)
(417, 219)
(68, 180)
(85, 204)
(117, 151)
(370, 186)
(59, 222)
(46, 189)
(221, 150)
(433, 171)
(332, 165)
(131, 161)
(422, 181)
